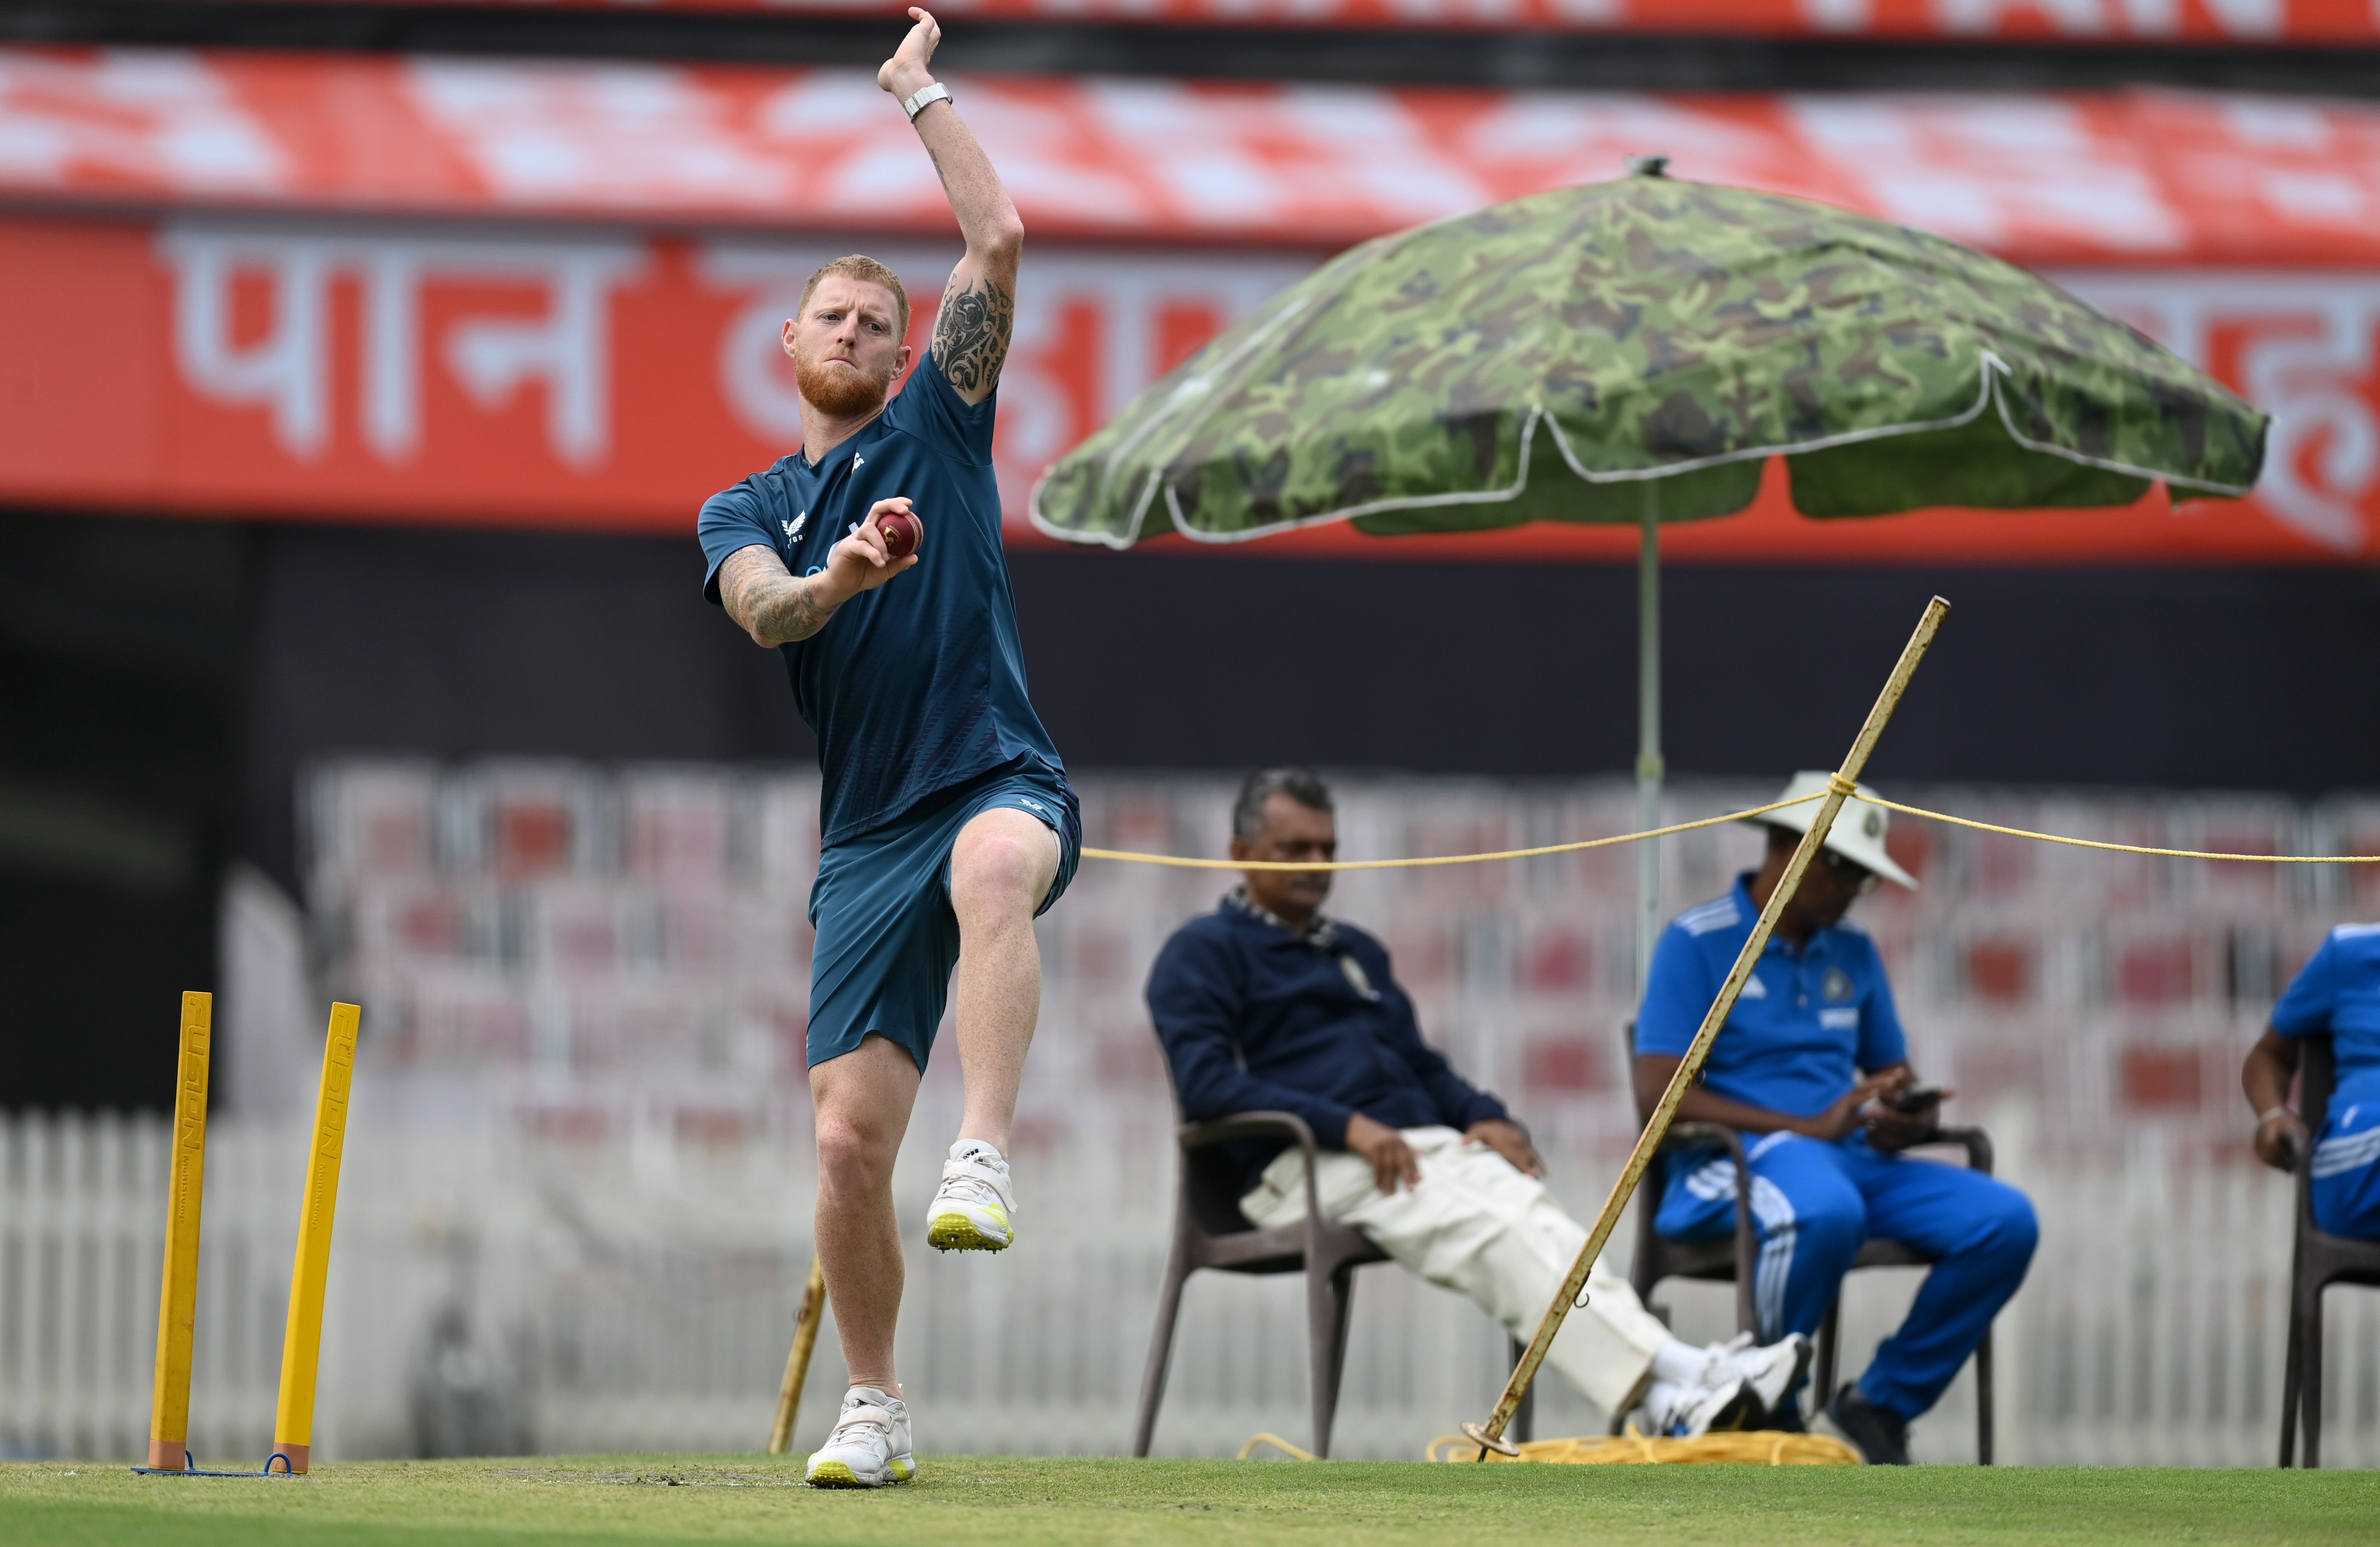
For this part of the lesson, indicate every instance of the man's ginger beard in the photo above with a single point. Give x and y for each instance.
(840, 395)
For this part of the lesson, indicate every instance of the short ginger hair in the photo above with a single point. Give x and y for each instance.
(867, 271)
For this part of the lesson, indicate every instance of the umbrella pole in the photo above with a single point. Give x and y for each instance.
(1649, 768)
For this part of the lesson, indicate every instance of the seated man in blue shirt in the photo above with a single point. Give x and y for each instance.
(1264, 1005)
(1813, 1069)
(2336, 995)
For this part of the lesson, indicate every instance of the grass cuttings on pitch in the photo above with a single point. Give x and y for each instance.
(962, 1502)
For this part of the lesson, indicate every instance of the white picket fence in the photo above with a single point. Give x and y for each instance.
(82, 1216)
(635, 1295)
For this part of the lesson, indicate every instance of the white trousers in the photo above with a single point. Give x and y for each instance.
(1478, 1225)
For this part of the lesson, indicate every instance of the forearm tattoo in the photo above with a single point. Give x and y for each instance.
(774, 607)
(971, 335)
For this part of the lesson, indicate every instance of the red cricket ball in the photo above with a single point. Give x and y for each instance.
(903, 533)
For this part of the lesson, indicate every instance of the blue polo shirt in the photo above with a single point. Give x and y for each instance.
(919, 684)
(1255, 1018)
(1809, 1023)
(2339, 991)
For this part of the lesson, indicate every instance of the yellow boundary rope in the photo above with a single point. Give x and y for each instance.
(1182, 863)
(2119, 848)
(1295, 1453)
(1759, 1448)
(1439, 859)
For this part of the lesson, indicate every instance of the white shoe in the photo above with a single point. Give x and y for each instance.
(1770, 1372)
(974, 1209)
(1682, 1412)
(870, 1447)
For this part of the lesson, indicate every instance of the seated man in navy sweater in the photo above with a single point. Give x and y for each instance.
(1264, 1004)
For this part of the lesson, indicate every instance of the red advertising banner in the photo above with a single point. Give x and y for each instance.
(2128, 178)
(597, 379)
(2247, 21)
(593, 380)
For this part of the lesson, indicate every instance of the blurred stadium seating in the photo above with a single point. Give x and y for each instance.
(581, 1122)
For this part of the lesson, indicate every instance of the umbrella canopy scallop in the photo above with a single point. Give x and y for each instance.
(1557, 358)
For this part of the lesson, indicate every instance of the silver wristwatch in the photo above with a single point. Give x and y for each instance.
(937, 92)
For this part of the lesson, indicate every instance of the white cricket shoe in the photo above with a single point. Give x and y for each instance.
(1769, 1372)
(1687, 1412)
(870, 1447)
(975, 1208)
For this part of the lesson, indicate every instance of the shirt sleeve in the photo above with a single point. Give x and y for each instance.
(1882, 1043)
(1677, 993)
(1196, 998)
(2306, 1008)
(1460, 1104)
(732, 519)
(930, 408)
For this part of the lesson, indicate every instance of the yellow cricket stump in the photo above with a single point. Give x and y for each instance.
(1490, 1436)
(178, 1300)
(798, 1360)
(301, 1344)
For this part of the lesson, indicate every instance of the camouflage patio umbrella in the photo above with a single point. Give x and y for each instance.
(1633, 352)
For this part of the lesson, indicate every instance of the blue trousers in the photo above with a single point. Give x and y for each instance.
(1815, 1204)
(2347, 1170)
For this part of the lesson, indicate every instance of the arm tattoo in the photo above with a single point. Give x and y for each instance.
(774, 607)
(971, 335)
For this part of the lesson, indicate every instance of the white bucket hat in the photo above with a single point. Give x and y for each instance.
(1859, 829)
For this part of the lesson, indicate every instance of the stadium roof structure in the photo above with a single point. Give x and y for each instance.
(2199, 21)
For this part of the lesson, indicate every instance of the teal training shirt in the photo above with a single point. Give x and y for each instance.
(919, 684)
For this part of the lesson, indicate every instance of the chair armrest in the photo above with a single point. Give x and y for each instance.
(1249, 1125)
(1974, 1141)
(1266, 1125)
(2302, 1183)
(1702, 1136)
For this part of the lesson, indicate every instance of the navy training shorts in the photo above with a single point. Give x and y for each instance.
(887, 939)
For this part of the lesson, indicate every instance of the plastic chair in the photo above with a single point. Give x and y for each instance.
(2317, 1260)
(1210, 1231)
(1733, 1259)
(1728, 1261)
(1881, 1252)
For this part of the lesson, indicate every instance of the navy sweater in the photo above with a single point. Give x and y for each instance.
(1255, 1018)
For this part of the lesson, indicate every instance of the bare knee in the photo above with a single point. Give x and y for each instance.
(855, 1157)
(1000, 873)
(863, 1100)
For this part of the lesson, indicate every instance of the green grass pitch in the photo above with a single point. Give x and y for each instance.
(994, 1500)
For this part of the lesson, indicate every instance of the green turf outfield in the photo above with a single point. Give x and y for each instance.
(961, 1501)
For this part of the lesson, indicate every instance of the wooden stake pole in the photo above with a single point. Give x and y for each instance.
(177, 1299)
(301, 1343)
(1491, 1434)
(797, 1361)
